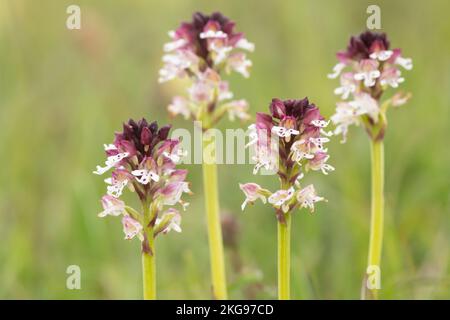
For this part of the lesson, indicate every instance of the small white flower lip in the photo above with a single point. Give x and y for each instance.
(145, 176)
(109, 147)
(174, 45)
(307, 197)
(245, 44)
(280, 197)
(213, 34)
(404, 62)
(337, 69)
(116, 188)
(368, 77)
(284, 132)
(320, 123)
(110, 162)
(381, 55)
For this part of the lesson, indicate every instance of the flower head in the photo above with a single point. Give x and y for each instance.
(290, 141)
(200, 50)
(367, 68)
(143, 158)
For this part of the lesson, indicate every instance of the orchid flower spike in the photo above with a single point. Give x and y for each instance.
(200, 50)
(143, 159)
(366, 70)
(290, 141)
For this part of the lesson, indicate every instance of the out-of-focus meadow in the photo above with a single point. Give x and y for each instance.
(63, 93)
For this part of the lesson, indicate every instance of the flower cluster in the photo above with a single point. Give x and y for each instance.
(289, 141)
(366, 69)
(200, 50)
(143, 159)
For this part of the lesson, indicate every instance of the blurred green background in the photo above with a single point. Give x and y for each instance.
(63, 93)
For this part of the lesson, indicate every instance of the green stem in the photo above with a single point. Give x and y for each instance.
(284, 257)
(148, 260)
(216, 251)
(377, 214)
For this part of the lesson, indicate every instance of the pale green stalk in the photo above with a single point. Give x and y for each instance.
(284, 257)
(216, 251)
(377, 211)
(148, 260)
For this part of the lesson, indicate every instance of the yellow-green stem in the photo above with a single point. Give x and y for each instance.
(148, 261)
(216, 251)
(377, 212)
(284, 257)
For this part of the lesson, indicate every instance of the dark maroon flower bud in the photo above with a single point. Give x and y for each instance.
(146, 136)
(142, 124)
(127, 131)
(153, 127)
(163, 132)
(277, 108)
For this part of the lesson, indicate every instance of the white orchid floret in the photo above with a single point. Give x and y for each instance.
(174, 45)
(365, 104)
(307, 197)
(201, 91)
(239, 63)
(220, 52)
(112, 206)
(265, 157)
(109, 147)
(368, 71)
(176, 63)
(400, 98)
(179, 105)
(280, 199)
(348, 85)
(224, 91)
(144, 176)
(346, 115)
(318, 163)
(176, 155)
(237, 109)
(132, 228)
(381, 55)
(318, 142)
(213, 34)
(116, 187)
(245, 45)
(171, 193)
(404, 62)
(320, 123)
(252, 193)
(300, 150)
(337, 69)
(285, 133)
(392, 77)
(111, 162)
(169, 220)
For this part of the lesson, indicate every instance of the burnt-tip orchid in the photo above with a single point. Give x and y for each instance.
(201, 50)
(143, 159)
(366, 69)
(290, 141)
